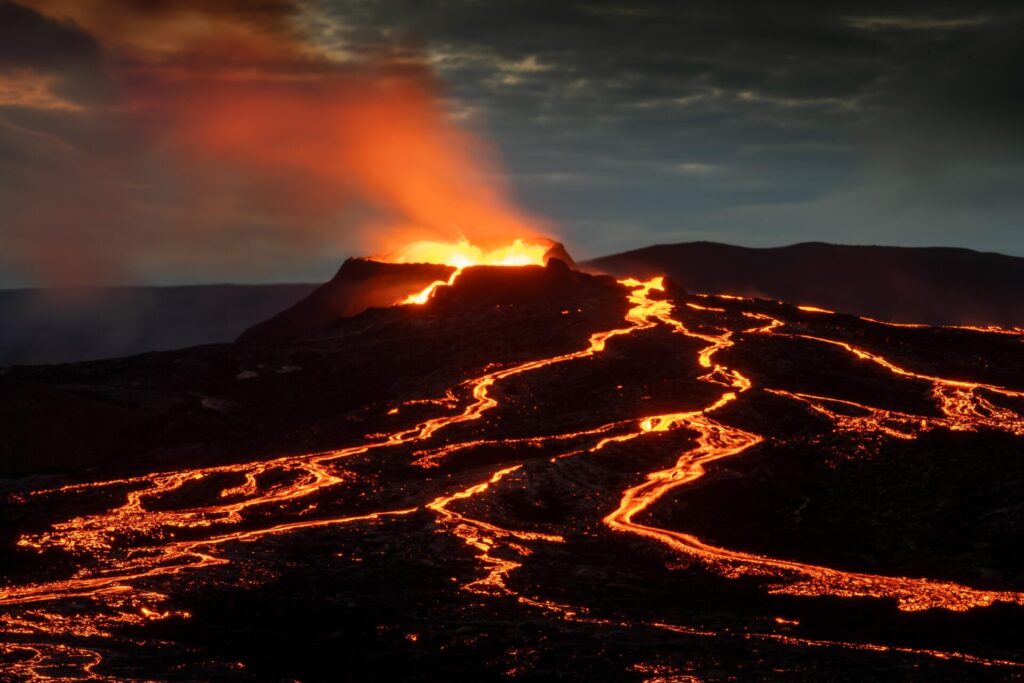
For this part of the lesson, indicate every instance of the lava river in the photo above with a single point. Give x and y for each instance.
(123, 566)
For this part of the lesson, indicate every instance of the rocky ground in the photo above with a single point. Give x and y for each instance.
(425, 492)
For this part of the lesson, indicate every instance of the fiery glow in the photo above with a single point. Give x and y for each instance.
(717, 440)
(149, 532)
(268, 128)
(462, 254)
(25, 88)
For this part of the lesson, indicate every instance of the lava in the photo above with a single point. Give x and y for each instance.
(98, 535)
(462, 254)
(148, 537)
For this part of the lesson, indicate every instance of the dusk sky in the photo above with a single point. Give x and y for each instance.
(266, 140)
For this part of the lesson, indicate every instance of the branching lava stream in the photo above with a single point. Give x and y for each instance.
(128, 557)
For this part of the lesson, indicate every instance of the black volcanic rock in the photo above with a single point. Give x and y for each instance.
(442, 514)
(222, 402)
(936, 286)
(500, 285)
(365, 283)
(359, 284)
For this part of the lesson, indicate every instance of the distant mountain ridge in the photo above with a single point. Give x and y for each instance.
(931, 285)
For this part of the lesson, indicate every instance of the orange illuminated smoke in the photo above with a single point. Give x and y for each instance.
(462, 254)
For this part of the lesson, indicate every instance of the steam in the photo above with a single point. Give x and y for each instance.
(376, 136)
(274, 144)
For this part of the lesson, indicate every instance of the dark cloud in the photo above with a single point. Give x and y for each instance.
(33, 44)
(28, 39)
(233, 139)
(763, 123)
(630, 122)
(87, 191)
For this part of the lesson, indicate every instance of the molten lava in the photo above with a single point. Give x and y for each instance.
(463, 254)
(144, 535)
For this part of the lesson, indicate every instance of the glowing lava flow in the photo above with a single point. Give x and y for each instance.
(984, 329)
(461, 255)
(146, 537)
(114, 568)
(716, 441)
(482, 536)
(96, 533)
(961, 401)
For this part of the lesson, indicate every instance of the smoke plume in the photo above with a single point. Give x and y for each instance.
(227, 132)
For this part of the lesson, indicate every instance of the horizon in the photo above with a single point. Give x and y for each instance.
(315, 280)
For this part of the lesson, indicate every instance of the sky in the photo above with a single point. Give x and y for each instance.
(159, 141)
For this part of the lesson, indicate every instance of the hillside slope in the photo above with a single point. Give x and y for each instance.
(538, 474)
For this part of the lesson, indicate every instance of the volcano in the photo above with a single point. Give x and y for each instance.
(535, 473)
(361, 284)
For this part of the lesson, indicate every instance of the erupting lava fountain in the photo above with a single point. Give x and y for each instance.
(463, 254)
